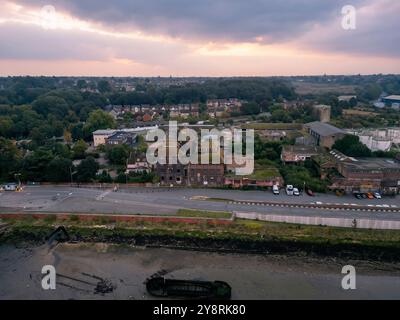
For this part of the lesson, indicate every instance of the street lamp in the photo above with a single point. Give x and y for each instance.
(71, 175)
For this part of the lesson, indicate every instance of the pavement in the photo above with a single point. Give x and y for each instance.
(166, 201)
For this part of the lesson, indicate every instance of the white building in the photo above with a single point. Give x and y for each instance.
(378, 139)
(100, 136)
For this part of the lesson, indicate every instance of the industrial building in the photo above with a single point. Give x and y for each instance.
(378, 139)
(298, 153)
(322, 112)
(324, 134)
(365, 174)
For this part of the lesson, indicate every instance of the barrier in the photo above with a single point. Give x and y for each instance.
(322, 221)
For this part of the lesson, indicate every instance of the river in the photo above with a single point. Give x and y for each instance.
(81, 267)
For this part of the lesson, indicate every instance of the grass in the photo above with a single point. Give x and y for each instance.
(261, 172)
(239, 229)
(203, 214)
(273, 126)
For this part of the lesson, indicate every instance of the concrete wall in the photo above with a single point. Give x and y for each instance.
(333, 222)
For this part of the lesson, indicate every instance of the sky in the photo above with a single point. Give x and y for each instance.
(198, 37)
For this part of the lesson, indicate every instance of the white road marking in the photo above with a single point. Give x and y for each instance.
(102, 195)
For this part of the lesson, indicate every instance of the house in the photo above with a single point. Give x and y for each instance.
(171, 174)
(391, 100)
(346, 98)
(121, 137)
(100, 136)
(147, 117)
(298, 153)
(139, 167)
(205, 174)
(262, 177)
(324, 134)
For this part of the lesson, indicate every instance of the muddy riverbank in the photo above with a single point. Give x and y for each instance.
(83, 268)
(207, 240)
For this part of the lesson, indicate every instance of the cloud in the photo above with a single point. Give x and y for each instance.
(227, 20)
(218, 37)
(20, 41)
(376, 34)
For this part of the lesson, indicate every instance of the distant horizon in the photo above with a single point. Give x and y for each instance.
(212, 77)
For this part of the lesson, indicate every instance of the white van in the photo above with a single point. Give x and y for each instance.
(10, 187)
(275, 189)
(289, 190)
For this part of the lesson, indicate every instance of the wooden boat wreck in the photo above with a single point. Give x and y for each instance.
(161, 287)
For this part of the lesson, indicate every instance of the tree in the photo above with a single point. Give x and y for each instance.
(6, 126)
(351, 146)
(58, 170)
(34, 166)
(67, 136)
(250, 108)
(87, 170)
(103, 86)
(10, 157)
(97, 120)
(79, 149)
(51, 105)
(118, 154)
(104, 177)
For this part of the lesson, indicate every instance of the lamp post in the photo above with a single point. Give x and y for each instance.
(71, 175)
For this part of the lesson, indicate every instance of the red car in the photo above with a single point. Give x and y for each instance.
(310, 193)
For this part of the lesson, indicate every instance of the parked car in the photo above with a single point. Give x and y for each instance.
(275, 189)
(363, 195)
(377, 195)
(10, 187)
(358, 195)
(310, 192)
(296, 192)
(289, 190)
(370, 195)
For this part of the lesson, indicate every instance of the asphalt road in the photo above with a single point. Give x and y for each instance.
(166, 201)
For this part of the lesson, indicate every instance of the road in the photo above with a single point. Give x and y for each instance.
(166, 201)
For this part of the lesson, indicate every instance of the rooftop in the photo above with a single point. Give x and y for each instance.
(373, 164)
(104, 132)
(393, 97)
(323, 129)
(300, 149)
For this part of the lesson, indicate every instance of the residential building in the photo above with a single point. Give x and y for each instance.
(205, 174)
(346, 98)
(139, 167)
(100, 136)
(171, 174)
(121, 137)
(391, 100)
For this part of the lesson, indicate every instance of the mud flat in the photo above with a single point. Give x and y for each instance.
(107, 271)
